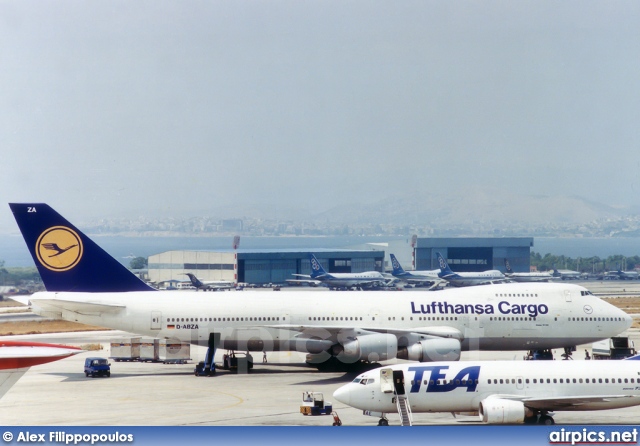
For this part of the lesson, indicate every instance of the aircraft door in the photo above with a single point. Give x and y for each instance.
(398, 382)
(386, 380)
(567, 295)
(156, 320)
(519, 382)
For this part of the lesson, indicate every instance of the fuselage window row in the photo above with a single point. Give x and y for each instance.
(390, 318)
(516, 295)
(223, 319)
(565, 381)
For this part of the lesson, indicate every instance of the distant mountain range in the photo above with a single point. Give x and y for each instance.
(472, 213)
(438, 210)
(480, 207)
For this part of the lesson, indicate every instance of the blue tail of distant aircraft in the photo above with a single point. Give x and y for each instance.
(398, 270)
(445, 271)
(507, 266)
(195, 281)
(68, 260)
(316, 268)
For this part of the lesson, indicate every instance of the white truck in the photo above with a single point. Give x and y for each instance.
(619, 347)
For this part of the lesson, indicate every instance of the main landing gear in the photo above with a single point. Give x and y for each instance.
(543, 418)
(568, 351)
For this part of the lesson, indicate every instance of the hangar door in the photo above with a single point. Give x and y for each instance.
(470, 259)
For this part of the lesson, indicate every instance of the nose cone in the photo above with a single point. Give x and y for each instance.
(343, 394)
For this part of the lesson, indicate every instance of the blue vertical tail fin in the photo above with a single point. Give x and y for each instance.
(444, 267)
(194, 280)
(507, 266)
(398, 270)
(67, 259)
(316, 268)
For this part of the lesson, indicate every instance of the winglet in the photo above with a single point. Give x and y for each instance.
(67, 259)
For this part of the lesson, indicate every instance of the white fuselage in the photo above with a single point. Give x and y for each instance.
(419, 276)
(530, 277)
(493, 317)
(351, 279)
(471, 279)
(462, 386)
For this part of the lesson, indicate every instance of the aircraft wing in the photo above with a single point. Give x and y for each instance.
(310, 282)
(372, 283)
(569, 403)
(584, 402)
(17, 356)
(438, 332)
(9, 377)
(58, 305)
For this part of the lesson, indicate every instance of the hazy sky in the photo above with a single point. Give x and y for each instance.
(166, 107)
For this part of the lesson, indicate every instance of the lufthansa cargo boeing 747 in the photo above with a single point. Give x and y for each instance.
(87, 285)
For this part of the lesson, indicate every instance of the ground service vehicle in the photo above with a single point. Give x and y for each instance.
(618, 347)
(313, 403)
(97, 367)
(237, 361)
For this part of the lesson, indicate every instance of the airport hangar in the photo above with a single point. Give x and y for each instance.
(474, 254)
(262, 267)
(258, 267)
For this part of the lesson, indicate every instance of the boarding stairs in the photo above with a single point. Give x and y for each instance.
(404, 410)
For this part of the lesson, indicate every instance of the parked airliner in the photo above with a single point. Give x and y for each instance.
(319, 276)
(87, 285)
(468, 279)
(17, 356)
(414, 277)
(623, 275)
(209, 285)
(499, 392)
(565, 274)
(525, 277)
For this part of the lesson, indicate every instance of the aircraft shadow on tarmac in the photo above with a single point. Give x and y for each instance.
(262, 369)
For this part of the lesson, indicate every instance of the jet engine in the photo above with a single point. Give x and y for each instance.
(427, 350)
(370, 348)
(501, 411)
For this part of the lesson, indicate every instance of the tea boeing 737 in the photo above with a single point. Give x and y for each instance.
(87, 285)
(500, 392)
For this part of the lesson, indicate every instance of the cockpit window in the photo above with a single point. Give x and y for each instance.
(364, 381)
